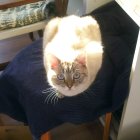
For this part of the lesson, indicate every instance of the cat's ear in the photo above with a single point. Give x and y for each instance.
(81, 59)
(53, 61)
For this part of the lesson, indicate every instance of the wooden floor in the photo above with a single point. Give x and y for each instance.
(88, 131)
(67, 131)
(91, 131)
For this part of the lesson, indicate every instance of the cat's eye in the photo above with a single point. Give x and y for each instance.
(60, 77)
(76, 75)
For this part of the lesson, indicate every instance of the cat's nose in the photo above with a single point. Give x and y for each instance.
(69, 85)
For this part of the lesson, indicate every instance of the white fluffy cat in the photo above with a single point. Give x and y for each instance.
(73, 51)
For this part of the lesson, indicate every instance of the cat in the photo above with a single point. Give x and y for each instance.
(72, 53)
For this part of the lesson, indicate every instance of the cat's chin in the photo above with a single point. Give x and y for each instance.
(71, 92)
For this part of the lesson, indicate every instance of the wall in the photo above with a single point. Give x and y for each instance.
(80, 7)
(75, 7)
(90, 5)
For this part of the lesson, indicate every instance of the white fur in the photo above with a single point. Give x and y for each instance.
(68, 37)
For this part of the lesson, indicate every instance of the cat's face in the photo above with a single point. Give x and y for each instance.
(68, 78)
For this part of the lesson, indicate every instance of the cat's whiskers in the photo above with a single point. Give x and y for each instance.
(48, 90)
(49, 97)
(52, 95)
(54, 98)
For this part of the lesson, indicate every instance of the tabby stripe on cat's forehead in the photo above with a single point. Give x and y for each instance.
(67, 67)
